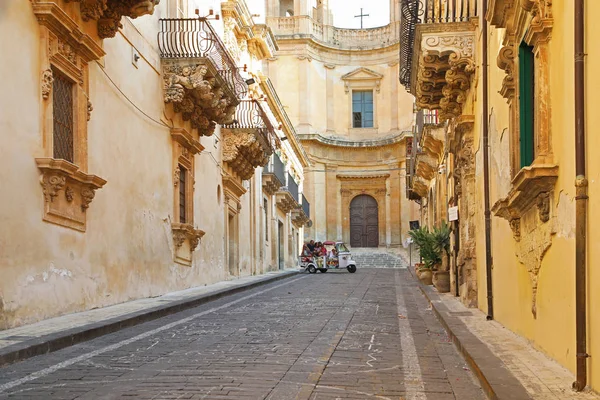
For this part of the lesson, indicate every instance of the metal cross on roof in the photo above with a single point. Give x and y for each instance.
(361, 17)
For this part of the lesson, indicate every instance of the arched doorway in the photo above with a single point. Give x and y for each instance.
(364, 222)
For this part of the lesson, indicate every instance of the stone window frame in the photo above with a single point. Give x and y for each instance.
(185, 236)
(528, 21)
(372, 81)
(68, 189)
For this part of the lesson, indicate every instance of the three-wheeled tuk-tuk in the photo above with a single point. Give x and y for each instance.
(338, 257)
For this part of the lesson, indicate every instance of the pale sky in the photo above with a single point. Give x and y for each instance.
(343, 12)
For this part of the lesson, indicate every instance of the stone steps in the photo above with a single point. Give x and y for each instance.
(377, 259)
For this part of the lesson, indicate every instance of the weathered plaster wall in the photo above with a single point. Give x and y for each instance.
(553, 328)
(127, 249)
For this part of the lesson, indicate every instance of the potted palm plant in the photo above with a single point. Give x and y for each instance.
(429, 253)
(419, 237)
(441, 277)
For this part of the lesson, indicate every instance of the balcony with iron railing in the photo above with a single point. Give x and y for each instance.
(437, 45)
(202, 81)
(287, 197)
(249, 140)
(301, 215)
(273, 176)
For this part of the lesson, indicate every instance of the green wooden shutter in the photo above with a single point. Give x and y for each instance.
(526, 103)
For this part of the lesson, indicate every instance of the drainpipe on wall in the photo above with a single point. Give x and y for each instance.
(581, 199)
(486, 167)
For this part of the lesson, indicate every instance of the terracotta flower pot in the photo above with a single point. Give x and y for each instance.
(441, 281)
(426, 276)
(418, 266)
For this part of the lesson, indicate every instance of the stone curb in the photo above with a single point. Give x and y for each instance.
(496, 381)
(69, 337)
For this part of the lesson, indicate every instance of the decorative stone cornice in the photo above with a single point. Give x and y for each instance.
(183, 232)
(79, 190)
(530, 187)
(361, 77)
(199, 93)
(108, 13)
(441, 73)
(186, 140)
(74, 42)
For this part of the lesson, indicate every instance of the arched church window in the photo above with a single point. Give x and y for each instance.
(289, 13)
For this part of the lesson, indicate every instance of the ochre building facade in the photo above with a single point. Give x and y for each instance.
(500, 77)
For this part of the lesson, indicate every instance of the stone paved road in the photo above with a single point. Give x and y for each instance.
(367, 335)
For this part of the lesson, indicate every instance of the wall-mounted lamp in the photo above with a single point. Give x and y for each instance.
(250, 81)
(211, 12)
(283, 139)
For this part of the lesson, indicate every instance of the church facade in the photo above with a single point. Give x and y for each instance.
(353, 118)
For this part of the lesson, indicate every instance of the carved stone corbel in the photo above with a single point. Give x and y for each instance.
(515, 226)
(198, 92)
(543, 206)
(52, 183)
(47, 80)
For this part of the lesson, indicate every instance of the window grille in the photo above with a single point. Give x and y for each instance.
(182, 195)
(62, 103)
(362, 109)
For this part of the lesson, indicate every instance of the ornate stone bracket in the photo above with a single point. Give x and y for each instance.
(270, 183)
(244, 151)
(285, 201)
(299, 218)
(198, 92)
(58, 177)
(108, 13)
(445, 64)
(183, 232)
(527, 207)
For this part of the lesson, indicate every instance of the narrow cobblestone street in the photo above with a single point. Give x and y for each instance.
(325, 336)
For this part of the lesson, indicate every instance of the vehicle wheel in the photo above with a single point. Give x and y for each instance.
(323, 270)
(351, 268)
(311, 269)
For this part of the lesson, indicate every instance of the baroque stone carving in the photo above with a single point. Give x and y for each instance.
(183, 232)
(90, 108)
(87, 195)
(543, 205)
(244, 151)
(199, 95)
(176, 176)
(515, 226)
(108, 13)
(47, 80)
(60, 175)
(69, 193)
(52, 184)
(445, 65)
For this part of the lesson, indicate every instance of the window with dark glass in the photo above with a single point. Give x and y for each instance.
(526, 104)
(266, 207)
(182, 195)
(362, 109)
(62, 105)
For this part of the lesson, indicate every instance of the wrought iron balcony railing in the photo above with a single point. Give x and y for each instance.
(249, 114)
(416, 12)
(292, 187)
(196, 38)
(277, 168)
(305, 206)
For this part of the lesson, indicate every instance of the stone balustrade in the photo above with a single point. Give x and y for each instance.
(304, 26)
